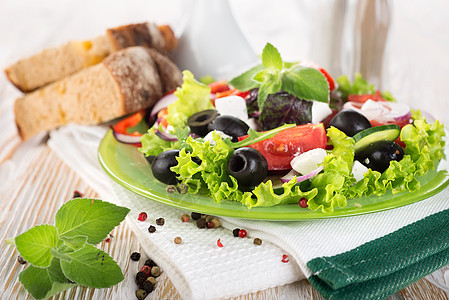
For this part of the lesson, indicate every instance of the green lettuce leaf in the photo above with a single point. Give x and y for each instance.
(193, 97)
(359, 87)
(153, 145)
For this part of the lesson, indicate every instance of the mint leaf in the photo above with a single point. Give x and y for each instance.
(89, 217)
(271, 58)
(35, 244)
(43, 283)
(69, 244)
(270, 86)
(254, 136)
(92, 267)
(305, 83)
(245, 82)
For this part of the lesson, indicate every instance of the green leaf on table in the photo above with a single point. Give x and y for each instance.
(305, 83)
(271, 58)
(72, 243)
(43, 283)
(92, 267)
(35, 244)
(89, 217)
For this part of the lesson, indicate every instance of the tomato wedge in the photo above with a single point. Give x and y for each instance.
(365, 97)
(282, 148)
(329, 79)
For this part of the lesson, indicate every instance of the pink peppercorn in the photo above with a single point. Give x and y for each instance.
(303, 202)
(146, 269)
(142, 216)
(242, 233)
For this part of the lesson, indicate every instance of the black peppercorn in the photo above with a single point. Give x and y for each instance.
(151, 229)
(160, 221)
(195, 216)
(235, 232)
(77, 194)
(21, 260)
(135, 256)
(141, 277)
(201, 223)
(147, 286)
(150, 263)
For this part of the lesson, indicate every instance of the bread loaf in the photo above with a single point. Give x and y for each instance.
(126, 81)
(58, 62)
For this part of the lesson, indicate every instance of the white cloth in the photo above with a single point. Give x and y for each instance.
(240, 267)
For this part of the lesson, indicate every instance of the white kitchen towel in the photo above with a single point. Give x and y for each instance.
(240, 266)
(197, 267)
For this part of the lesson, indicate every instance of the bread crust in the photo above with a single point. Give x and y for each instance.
(51, 64)
(127, 81)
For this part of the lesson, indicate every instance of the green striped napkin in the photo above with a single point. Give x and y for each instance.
(368, 256)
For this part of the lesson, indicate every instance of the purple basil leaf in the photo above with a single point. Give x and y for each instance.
(283, 108)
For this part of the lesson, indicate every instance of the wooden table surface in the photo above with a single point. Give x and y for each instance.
(34, 182)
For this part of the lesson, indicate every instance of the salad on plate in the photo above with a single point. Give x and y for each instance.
(285, 133)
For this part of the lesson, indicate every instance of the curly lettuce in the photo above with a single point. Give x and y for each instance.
(334, 187)
(193, 97)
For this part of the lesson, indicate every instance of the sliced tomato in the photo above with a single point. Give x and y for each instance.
(233, 92)
(282, 148)
(365, 97)
(218, 87)
(329, 79)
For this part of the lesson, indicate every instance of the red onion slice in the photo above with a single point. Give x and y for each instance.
(163, 103)
(127, 138)
(166, 136)
(293, 173)
(385, 111)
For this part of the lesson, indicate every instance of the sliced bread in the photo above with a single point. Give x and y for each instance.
(126, 81)
(58, 62)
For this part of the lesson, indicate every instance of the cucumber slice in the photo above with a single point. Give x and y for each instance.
(370, 135)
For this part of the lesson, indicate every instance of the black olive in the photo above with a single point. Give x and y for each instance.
(378, 155)
(350, 122)
(199, 121)
(230, 125)
(248, 166)
(161, 167)
(150, 158)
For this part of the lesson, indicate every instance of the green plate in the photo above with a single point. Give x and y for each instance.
(127, 166)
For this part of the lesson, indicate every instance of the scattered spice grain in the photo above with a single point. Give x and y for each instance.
(135, 256)
(160, 221)
(178, 240)
(151, 229)
(257, 241)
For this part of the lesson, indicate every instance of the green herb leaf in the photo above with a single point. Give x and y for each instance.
(305, 83)
(254, 136)
(35, 244)
(245, 81)
(89, 217)
(92, 267)
(72, 243)
(43, 283)
(271, 58)
(268, 87)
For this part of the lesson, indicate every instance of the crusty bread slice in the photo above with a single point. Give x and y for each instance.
(127, 81)
(58, 62)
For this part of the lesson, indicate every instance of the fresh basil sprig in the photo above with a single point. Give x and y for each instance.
(64, 255)
(275, 75)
